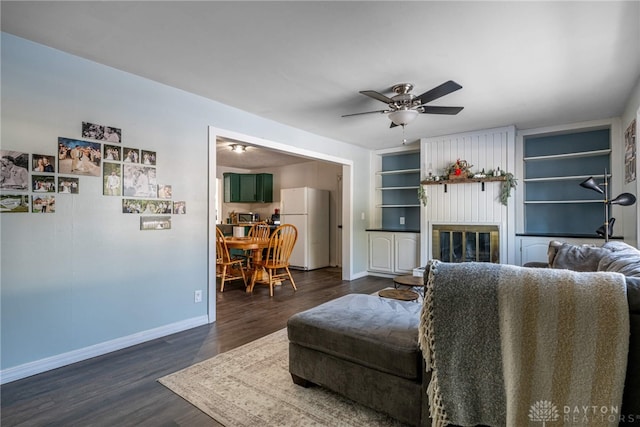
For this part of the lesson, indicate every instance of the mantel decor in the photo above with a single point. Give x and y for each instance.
(460, 169)
(459, 172)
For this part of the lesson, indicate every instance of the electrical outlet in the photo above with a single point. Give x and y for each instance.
(197, 296)
(401, 220)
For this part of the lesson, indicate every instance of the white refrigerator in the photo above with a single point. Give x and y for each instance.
(307, 209)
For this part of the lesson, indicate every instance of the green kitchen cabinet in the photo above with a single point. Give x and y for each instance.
(248, 188)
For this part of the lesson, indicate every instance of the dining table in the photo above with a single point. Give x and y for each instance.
(256, 246)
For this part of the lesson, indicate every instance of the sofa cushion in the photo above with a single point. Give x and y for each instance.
(622, 258)
(376, 332)
(578, 258)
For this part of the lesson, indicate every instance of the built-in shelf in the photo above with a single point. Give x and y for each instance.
(398, 171)
(412, 187)
(569, 155)
(561, 201)
(554, 165)
(397, 181)
(564, 178)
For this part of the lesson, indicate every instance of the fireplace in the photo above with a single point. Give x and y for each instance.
(466, 243)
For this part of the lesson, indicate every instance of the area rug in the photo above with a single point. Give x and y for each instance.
(251, 386)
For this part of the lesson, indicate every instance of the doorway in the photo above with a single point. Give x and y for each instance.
(343, 206)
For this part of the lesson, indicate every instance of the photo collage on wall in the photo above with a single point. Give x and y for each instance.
(28, 182)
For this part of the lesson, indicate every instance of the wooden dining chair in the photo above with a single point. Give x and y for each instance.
(281, 244)
(225, 264)
(260, 230)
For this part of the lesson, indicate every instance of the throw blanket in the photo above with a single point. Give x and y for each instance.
(510, 345)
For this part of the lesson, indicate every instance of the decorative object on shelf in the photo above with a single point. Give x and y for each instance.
(624, 199)
(460, 169)
(422, 195)
(508, 184)
(459, 172)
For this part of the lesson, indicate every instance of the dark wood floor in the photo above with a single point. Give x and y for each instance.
(120, 388)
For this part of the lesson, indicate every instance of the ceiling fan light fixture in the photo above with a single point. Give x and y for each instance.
(403, 117)
(238, 148)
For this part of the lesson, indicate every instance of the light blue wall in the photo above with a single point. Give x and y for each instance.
(86, 274)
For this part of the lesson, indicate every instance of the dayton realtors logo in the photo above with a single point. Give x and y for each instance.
(543, 410)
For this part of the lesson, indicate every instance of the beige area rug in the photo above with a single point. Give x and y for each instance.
(251, 386)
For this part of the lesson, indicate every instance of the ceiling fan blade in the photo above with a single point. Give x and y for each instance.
(437, 92)
(430, 109)
(366, 112)
(377, 95)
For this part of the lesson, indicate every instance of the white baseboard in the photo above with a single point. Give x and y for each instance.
(359, 275)
(59, 360)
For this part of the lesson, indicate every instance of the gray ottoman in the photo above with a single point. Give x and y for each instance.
(363, 347)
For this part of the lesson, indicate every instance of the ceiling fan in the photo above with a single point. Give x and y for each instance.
(405, 106)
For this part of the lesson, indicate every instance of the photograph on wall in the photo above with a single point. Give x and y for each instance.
(145, 206)
(101, 132)
(180, 208)
(14, 170)
(43, 184)
(131, 155)
(155, 223)
(630, 153)
(42, 163)
(164, 191)
(111, 153)
(14, 203)
(112, 179)
(139, 181)
(43, 204)
(148, 157)
(68, 185)
(78, 157)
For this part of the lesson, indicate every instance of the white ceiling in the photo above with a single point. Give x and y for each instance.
(253, 157)
(302, 63)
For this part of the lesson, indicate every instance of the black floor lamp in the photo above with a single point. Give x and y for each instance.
(624, 199)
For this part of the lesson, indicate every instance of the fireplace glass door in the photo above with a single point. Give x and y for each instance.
(466, 243)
